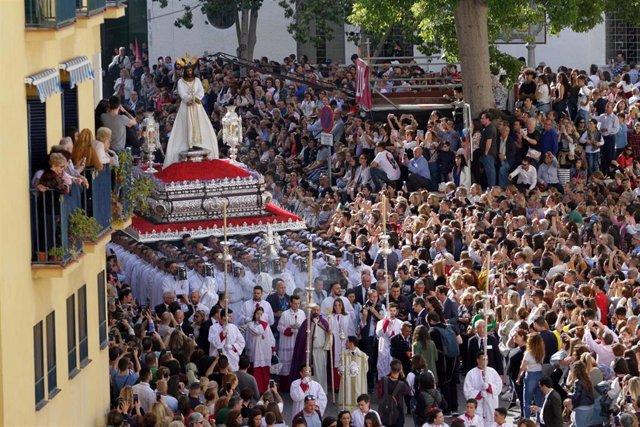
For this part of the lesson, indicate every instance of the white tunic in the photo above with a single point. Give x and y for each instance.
(385, 330)
(179, 287)
(292, 321)
(200, 283)
(341, 328)
(262, 343)
(353, 382)
(298, 391)
(474, 388)
(192, 127)
(327, 305)
(230, 343)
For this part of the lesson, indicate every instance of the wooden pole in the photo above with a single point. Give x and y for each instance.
(309, 299)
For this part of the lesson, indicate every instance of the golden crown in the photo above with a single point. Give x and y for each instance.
(187, 61)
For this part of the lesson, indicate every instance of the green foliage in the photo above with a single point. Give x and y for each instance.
(56, 253)
(138, 195)
(82, 227)
(310, 21)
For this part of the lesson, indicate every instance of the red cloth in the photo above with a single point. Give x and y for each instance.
(304, 387)
(603, 305)
(272, 215)
(205, 171)
(262, 376)
(222, 336)
(288, 332)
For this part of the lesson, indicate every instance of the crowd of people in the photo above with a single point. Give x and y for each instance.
(511, 275)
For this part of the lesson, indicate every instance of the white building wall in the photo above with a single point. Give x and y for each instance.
(568, 48)
(273, 40)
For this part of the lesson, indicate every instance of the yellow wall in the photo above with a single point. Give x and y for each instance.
(28, 295)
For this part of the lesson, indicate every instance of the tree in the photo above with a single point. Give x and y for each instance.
(466, 30)
(307, 20)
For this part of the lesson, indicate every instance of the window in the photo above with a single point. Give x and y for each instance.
(72, 354)
(82, 325)
(37, 133)
(102, 310)
(38, 359)
(69, 106)
(52, 372)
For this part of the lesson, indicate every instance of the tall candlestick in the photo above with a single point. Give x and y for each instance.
(309, 291)
(384, 214)
(224, 219)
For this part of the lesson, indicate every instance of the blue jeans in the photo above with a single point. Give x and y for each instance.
(489, 164)
(532, 391)
(582, 415)
(593, 162)
(582, 114)
(378, 176)
(503, 174)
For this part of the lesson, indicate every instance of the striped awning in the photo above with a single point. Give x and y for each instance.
(79, 69)
(47, 83)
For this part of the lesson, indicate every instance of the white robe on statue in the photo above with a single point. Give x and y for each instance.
(488, 399)
(192, 127)
(303, 387)
(231, 343)
(290, 322)
(353, 381)
(385, 330)
(262, 343)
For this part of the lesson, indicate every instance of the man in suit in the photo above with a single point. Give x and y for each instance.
(401, 346)
(168, 297)
(476, 346)
(362, 289)
(421, 312)
(369, 317)
(550, 415)
(203, 336)
(449, 306)
(182, 323)
(279, 302)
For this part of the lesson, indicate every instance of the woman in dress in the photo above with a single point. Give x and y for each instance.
(341, 327)
(425, 347)
(262, 348)
(192, 127)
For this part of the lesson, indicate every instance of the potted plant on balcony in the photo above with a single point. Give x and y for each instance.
(82, 228)
(56, 254)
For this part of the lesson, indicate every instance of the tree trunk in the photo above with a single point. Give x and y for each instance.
(243, 39)
(253, 26)
(473, 45)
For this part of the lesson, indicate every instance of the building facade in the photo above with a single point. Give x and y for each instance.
(53, 331)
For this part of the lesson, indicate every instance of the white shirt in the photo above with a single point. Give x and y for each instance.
(528, 177)
(388, 165)
(357, 417)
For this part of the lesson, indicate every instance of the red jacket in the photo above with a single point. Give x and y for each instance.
(603, 305)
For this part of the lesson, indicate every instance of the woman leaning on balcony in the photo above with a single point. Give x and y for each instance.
(83, 149)
(101, 147)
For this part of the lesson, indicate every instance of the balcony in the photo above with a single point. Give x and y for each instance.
(90, 7)
(51, 233)
(115, 9)
(49, 14)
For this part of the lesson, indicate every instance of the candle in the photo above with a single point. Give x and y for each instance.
(224, 219)
(310, 264)
(384, 214)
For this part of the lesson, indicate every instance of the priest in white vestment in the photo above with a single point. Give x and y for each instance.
(353, 371)
(305, 386)
(288, 326)
(225, 337)
(485, 385)
(385, 330)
